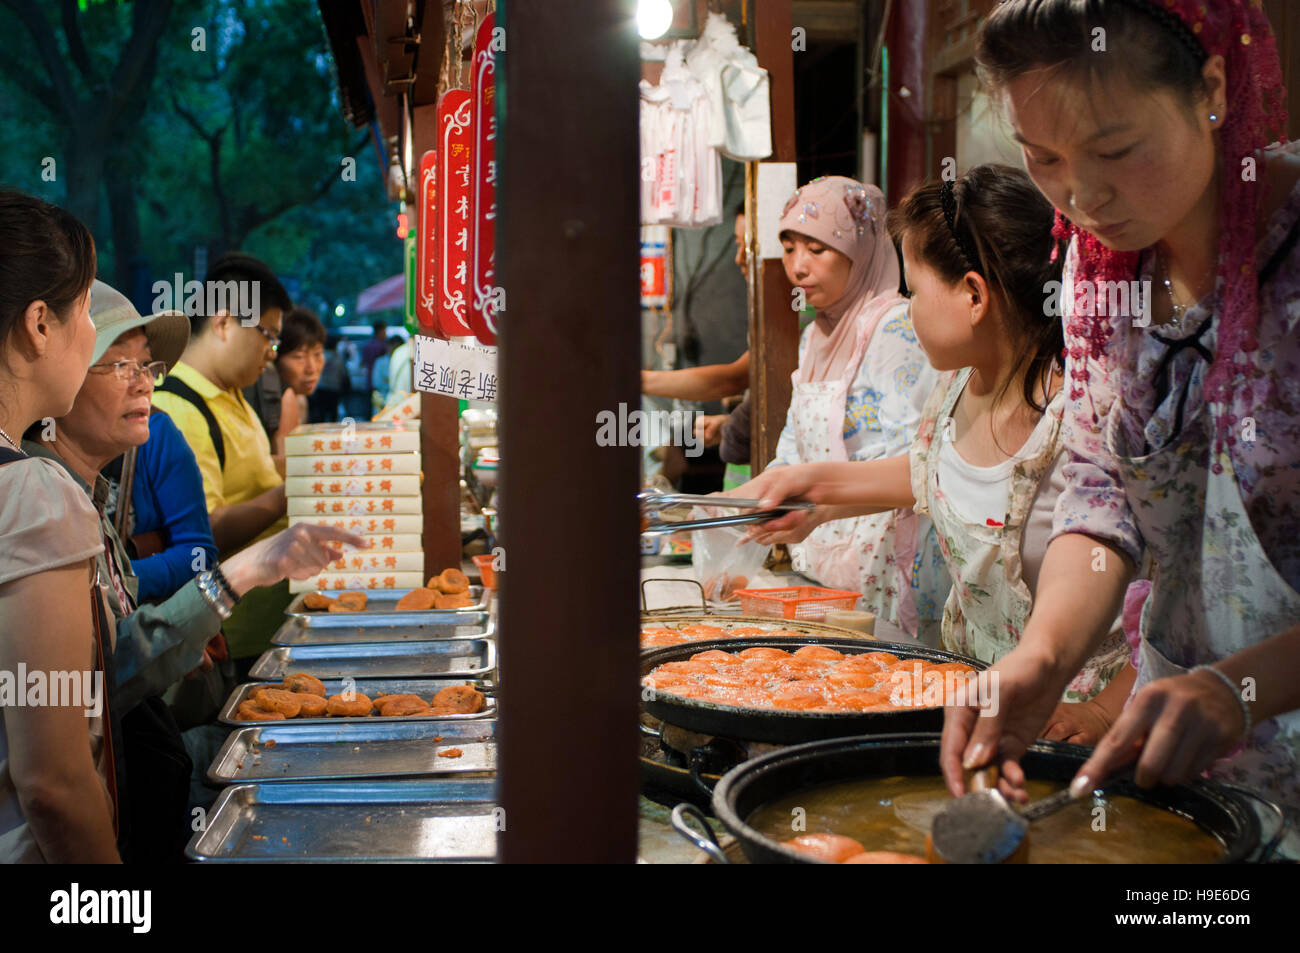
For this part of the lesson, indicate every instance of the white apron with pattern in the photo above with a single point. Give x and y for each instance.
(989, 603)
(1215, 591)
(868, 554)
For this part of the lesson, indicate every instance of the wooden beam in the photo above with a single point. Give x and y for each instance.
(439, 427)
(774, 325)
(568, 250)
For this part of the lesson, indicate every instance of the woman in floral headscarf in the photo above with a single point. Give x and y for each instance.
(1147, 123)
(858, 393)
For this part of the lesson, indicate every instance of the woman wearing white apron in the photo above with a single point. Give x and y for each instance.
(857, 395)
(1184, 421)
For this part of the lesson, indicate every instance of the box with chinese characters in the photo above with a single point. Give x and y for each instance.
(381, 562)
(358, 580)
(337, 506)
(387, 543)
(364, 437)
(377, 485)
(356, 464)
(376, 524)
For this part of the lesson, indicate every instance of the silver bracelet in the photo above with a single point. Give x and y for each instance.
(1236, 693)
(214, 594)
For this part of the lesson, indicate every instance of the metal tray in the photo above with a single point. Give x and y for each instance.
(447, 658)
(424, 687)
(300, 630)
(381, 607)
(356, 749)
(448, 821)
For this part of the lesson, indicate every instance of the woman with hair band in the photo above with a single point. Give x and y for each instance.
(1183, 415)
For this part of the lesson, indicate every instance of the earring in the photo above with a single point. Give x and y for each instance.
(1214, 119)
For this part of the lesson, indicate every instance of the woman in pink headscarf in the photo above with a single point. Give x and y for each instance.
(858, 393)
(1147, 124)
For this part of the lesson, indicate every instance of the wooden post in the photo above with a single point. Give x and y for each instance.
(774, 324)
(439, 428)
(568, 247)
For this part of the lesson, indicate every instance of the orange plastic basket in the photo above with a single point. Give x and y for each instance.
(796, 602)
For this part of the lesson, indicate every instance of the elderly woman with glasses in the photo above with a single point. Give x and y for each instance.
(140, 650)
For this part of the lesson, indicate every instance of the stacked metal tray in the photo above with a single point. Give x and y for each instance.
(443, 821)
(381, 607)
(442, 658)
(355, 748)
(371, 688)
(368, 788)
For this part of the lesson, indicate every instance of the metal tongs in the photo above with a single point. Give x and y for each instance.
(653, 503)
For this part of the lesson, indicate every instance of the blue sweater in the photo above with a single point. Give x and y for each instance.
(168, 499)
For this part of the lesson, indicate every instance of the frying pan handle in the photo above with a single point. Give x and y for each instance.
(1283, 822)
(704, 603)
(696, 760)
(706, 842)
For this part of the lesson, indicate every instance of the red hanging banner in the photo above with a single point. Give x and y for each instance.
(455, 218)
(487, 298)
(426, 248)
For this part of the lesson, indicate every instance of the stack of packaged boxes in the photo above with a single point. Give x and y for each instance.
(363, 478)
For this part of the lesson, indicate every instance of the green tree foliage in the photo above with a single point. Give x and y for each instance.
(228, 136)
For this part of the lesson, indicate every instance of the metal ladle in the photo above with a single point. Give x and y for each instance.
(982, 828)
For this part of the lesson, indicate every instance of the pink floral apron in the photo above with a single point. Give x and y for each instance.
(1215, 590)
(989, 603)
(869, 554)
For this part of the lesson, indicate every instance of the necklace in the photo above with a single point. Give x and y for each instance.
(1177, 322)
(12, 443)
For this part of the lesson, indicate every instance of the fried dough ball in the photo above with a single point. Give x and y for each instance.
(452, 582)
(818, 652)
(441, 601)
(353, 600)
(417, 600)
(884, 857)
(394, 706)
(316, 601)
(277, 699)
(249, 711)
(835, 848)
(342, 707)
(462, 699)
(763, 652)
(305, 684)
(717, 655)
(313, 706)
(383, 702)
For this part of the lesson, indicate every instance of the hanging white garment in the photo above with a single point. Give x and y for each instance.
(738, 90)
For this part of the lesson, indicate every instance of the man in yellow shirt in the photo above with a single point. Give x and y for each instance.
(228, 350)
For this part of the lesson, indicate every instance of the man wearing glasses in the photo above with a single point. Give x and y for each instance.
(203, 395)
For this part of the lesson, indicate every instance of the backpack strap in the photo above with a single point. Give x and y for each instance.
(174, 385)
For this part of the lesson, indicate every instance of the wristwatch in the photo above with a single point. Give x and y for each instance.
(217, 593)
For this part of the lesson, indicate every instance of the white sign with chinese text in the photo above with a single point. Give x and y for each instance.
(453, 369)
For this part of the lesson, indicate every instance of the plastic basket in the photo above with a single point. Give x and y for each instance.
(795, 602)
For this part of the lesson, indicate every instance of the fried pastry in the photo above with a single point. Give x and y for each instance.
(417, 600)
(343, 706)
(304, 683)
(462, 699)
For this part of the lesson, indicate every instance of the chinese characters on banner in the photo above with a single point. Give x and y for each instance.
(487, 298)
(462, 371)
(426, 295)
(455, 221)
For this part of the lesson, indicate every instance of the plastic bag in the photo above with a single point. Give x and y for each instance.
(721, 566)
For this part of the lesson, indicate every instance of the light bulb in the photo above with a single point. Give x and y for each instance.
(653, 18)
